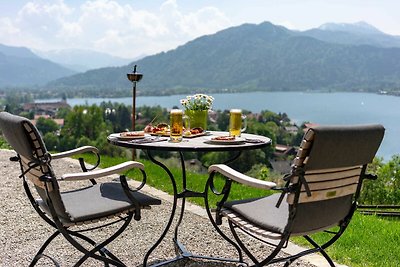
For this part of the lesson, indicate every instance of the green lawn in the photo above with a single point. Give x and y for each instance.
(368, 241)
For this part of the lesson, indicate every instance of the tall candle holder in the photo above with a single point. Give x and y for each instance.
(134, 77)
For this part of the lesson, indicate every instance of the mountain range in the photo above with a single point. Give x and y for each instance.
(19, 66)
(263, 57)
(359, 33)
(268, 57)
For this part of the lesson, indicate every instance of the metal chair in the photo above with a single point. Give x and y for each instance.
(95, 206)
(320, 193)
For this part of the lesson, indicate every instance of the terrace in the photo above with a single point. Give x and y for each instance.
(21, 229)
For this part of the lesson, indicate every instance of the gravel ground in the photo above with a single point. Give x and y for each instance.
(22, 231)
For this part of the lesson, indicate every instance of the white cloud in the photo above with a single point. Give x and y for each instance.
(7, 27)
(204, 21)
(108, 26)
(192, 24)
(70, 30)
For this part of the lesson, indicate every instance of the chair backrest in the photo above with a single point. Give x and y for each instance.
(329, 167)
(25, 139)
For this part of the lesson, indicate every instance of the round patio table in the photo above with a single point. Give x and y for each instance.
(203, 143)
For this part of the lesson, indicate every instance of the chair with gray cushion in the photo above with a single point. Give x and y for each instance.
(320, 193)
(105, 204)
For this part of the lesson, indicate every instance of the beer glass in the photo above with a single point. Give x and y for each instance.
(235, 122)
(176, 123)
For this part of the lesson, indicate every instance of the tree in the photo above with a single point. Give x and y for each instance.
(271, 116)
(62, 113)
(84, 141)
(385, 189)
(46, 125)
(83, 121)
(223, 120)
(243, 164)
(123, 118)
(51, 141)
(28, 115)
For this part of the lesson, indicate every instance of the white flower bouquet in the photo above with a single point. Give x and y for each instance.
(197, 102)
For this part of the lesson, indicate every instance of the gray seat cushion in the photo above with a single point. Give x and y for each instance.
(98, 201)
(262, 212)
(310, 217)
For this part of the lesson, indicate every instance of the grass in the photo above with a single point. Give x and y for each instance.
(368, 241)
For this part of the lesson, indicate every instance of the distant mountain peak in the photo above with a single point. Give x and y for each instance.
(22, 52)
(19, 66)
(274, 27)
(358, 27)
(83, 59)
(263, 30)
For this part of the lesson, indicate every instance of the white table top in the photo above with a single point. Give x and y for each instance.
(200, 143)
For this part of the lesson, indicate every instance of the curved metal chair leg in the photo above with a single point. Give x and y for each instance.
(321, 250)
(103, 251)
(91, 253)
(269, 259)
(242, 246)
(48, 257)
(40, 254)
(287, 263)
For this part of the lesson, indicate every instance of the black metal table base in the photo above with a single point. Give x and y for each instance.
(197, 145)
(184, 254)
(181, 251)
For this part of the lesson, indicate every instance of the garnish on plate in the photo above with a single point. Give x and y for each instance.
(223, 138)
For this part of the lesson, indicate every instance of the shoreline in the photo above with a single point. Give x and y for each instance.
(384, 93)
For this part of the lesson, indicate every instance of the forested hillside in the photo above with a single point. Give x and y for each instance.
(254, 57)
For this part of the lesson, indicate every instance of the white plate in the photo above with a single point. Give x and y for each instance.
(118, 136)
(237, 140)
(195, 135)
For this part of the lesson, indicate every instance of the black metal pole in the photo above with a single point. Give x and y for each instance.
(134, 106)
(134, 78)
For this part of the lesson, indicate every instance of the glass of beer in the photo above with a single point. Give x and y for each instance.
(176, 123)
(235, 122)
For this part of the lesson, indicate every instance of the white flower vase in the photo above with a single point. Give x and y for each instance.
(197, 118)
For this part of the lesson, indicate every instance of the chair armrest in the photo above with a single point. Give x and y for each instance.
(240, 177)
(103, 172)
(76, 151)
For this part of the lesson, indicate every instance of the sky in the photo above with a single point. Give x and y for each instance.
(132, 28)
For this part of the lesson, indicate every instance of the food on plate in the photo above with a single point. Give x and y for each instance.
(223, 138)
(196, 130)
(132, 134)
(161, 128)
(149, 128)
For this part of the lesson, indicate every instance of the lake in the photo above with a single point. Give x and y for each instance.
(322, 108)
